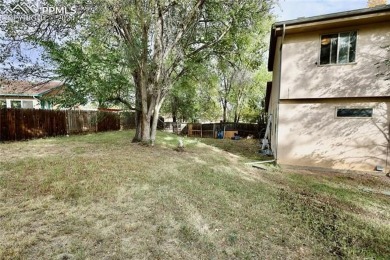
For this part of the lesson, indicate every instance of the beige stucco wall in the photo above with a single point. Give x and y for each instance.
(311, 135)
(303, 78)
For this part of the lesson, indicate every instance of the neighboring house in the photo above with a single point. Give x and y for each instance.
(329, 103)
(23, 94)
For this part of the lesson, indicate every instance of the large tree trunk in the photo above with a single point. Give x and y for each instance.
(144, 86)
(142, 116)
(174, 108)
(138, 106)
(137, 137)
(237, 112)
(237, 109)
(145, 118)
(156, 114)
(145, 132)
(236, 117)
(224, 105)
(138, 116)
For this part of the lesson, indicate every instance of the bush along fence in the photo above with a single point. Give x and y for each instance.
(23, 124)
(223, 130)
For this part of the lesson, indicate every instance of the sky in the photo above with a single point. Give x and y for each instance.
(293, 9)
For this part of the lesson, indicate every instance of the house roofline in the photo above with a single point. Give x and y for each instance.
(19, 95)
(60, 84)
(332, 16)
(329, 19)
(35, 95)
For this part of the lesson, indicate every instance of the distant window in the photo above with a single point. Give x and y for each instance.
(354, 112)
(338, 48)
(3, 104)
(27, 104)
(16, 104)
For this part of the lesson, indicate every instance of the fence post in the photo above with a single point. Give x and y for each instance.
(67, 122)
(14, 124)
(97, 118)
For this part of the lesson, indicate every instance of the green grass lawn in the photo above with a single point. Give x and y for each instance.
(100, 196)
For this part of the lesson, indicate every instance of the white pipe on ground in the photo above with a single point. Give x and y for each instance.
(260, 162)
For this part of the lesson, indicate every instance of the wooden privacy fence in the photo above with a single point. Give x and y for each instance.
(91, 121)
(229, 129)
(174, 127)
(128, 120)
(22, 124)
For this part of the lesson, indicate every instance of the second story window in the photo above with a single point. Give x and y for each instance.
(338, 48)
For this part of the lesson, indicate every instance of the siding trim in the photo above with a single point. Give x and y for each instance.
(333, 100)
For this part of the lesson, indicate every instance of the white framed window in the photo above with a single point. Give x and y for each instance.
(3, 103)
(355, 112)
(27, 104)
(338, 48)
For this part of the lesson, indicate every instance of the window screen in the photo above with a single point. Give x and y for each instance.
(338, 48)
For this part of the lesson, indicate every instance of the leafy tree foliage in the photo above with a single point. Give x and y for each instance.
(242, 76)
(90, 76)
(136, 51)
(195, 96)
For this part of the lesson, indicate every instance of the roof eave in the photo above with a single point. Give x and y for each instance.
(19, 95)
(327, 17)
(50, 90)
(272, 48)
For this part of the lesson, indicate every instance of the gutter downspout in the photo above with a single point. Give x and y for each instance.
(280, 87)
(387, 172)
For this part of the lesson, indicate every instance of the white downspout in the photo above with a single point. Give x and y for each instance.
(387, 171)
(280, 87)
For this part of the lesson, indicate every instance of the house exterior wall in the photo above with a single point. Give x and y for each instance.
(310, 134)
(307, 131)
(8, 100)
(42, 104)
(303, 78)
